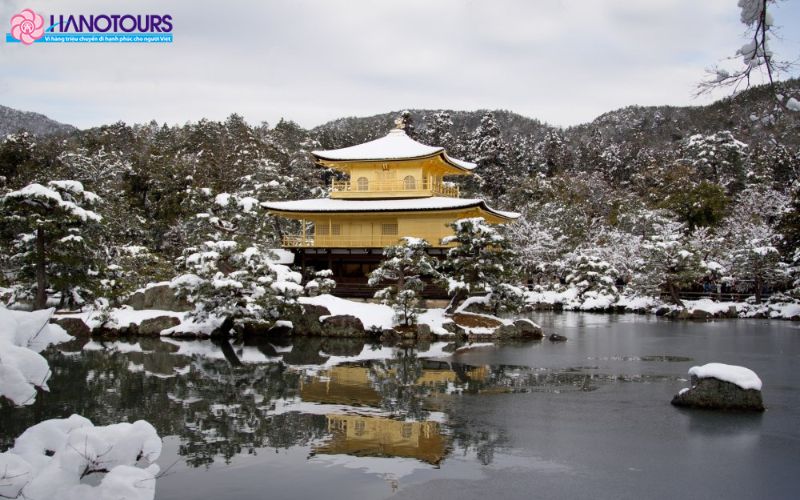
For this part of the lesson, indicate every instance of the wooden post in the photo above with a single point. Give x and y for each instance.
(303, 231)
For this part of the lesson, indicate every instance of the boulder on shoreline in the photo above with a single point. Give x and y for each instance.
(158, 296)
(717, 386)
(343, 325)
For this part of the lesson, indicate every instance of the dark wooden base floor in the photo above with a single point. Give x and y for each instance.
(351, 269)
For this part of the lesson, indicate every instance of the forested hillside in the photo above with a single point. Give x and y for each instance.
(657, 199)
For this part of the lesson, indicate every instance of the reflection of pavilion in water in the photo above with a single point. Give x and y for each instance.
(355, 384)
(379, 436)
(369, 436)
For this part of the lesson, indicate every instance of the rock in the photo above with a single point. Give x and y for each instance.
(554, 337)
(343, 325)
(160, 297)
(506, 332)
(453, 327)
(154, 326)
(74, 326)
(521, 329)
(424, 332)
(342, 346)
(305, 319)
(281, 328)
(700, 314)
(714, 394)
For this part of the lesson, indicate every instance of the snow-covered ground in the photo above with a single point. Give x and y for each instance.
(569, 300)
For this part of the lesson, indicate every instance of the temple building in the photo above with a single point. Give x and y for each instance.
(394, 187)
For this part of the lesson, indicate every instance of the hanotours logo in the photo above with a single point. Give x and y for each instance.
(28, 27)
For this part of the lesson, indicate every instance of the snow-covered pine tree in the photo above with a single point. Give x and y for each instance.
(406, 267)
(406, 122)
(719, 158)
(590, 274)
(669, 263)
(51, 223)
(481, 262)
(241, 286)
(489, 151)
(437, 131)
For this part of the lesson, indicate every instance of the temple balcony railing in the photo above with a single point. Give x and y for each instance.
(335, 241)
(342, 241)
(392, 189)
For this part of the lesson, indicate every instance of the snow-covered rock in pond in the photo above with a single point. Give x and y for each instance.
(719, 386)
(52, 459)
(22, 369)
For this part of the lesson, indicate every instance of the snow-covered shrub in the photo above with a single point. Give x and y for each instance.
(506, 298)
(57, 459)
(591, 274)
(51, 248)
(321, 284)
(22, 369)
(405, 266)
(240, 285)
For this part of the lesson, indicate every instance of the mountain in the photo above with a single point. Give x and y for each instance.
(753, 115)
(13, 120)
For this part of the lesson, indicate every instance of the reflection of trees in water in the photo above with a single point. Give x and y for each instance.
(222, 407)
(396, 382)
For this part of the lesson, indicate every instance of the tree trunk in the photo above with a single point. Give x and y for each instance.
(40, 302)
(759, 287)
(460, 295)
(673, 292)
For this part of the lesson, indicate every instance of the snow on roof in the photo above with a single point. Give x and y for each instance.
(396, 145)
(394, 205)
(739, 375)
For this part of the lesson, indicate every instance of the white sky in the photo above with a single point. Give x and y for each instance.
(561, 61)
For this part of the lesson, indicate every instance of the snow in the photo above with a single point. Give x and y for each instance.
(22, 369)
(435, 318)
(371, 315)
(121, 317)
(398, 205)
(793, 104)
(193, 327)
(38, 191)
(739, 375)
(396, 145)
(50, 459)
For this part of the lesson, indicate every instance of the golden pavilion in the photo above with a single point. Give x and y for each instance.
(394, 187)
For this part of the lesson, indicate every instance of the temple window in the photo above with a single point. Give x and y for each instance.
(362, 183)
(409, 183)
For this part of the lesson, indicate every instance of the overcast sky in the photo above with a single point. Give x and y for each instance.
(561, 61)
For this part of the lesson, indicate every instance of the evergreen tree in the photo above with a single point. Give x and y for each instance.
(51, 224)
(489, 150)
(481, 261)
(406, 266)
(669, 263)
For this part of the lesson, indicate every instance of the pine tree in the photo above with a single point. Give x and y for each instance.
(51, 224)
(481, 261)
(669, 263)
(489, 150)
(437, 132)
(239, 285)
(406, 266)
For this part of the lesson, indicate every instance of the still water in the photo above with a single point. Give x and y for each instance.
(341, 419)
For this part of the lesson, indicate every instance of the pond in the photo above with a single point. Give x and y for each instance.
(341, 419)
